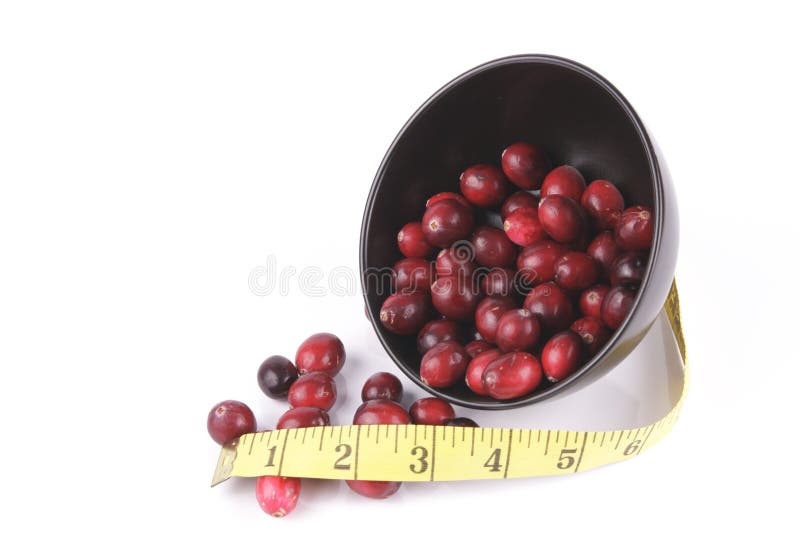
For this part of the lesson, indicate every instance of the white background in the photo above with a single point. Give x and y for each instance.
(152, 154)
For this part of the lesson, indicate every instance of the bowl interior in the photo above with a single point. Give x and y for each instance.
(567, 109)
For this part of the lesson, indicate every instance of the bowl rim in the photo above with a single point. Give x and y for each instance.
(658, 208)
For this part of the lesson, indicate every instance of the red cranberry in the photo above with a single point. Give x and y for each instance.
(604, 250)
(437, 331)
(576, 271)
(381, 412)
(430, 411)
(412, 243)
(498, 282)
(517, 330)
(374, 489)
(474, 375)
(276, 495)
(275, 375)
(303, 417)
(455, 299)
(537, 263)
(444, 365)
(522, 227)
(512, 375)
(447, 195)
(525, 165)
(551, 305)
(383, 386)
(520, 199)
(617, 305)
(447, 221)
(315, 389)
(488, 313)
(230, 419)
(484, 185)
(405, 313)
(561, 218)
(564, 180)
(628, 269)
(461, 421)
(413, 274)
(593, 332)
(634, 229)
(493, 248)
(321, 352)
(474, 348)
(456, 261)
(604, 203)
(561, 355)
(591, 301)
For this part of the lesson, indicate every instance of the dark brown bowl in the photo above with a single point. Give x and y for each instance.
(580, 119)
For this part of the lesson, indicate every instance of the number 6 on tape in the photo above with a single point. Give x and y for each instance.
(424, 453)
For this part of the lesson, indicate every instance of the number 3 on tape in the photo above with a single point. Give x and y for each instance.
(425, 453)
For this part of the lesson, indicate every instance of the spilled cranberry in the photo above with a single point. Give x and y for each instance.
(617, 305)
(320, 352)
(374, 489)
(593, 333)
(381, 412)
(437, 331)
(230, 419)
(604, 204)
(316, 389)
(634, 229)
(512, 375)
(517, 330)
(276, 495)
(525, 165)
(455, 299)
(303, 417)
(275, 375)
(576, 271)
(551, 305)
(591, 301)
(461, 421)
(561, 218)
(444, 365)
(430, 411)
(405, 313)
(476, 367)
(562, 355)
(447, 221)
(488, 313)
(493, 248)
(484, 185)
(412, 243)
(520, 199)
(382, 386)
(522, 227)
(564, 180)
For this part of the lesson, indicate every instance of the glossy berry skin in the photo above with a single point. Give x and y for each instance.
(476, 367)
(561, 218)
(634, 230)
(591, 301)
(444, 365)
(316, 389)
(320, 352)
(447, 195)
(484, 185)
(604, 204)
(437, 331)
(593, 333)
(488, 313)
(604, 250)
(493, 248)
(576, 271)
(456, 262)
(564, 180)
(430, 411)
(461, 421)
(525, 165)
(512, 375)
(230, 419)
(537, 263)
(447, 221)
(617, 305)
(374, 489)
(562, 355)
(499, 282)
(552, 306)
(520, 199)
(628, 269)
(303, 417)
(412, 243)
(275, 375)
(405, 313)
(517, 330)
(413, 274)
(381, 412)
(474, 348)
(382, 386)
(455, 299)
(277, 495)
(523, 228)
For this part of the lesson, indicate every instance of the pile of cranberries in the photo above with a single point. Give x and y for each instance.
(308, 385)
(538, 297)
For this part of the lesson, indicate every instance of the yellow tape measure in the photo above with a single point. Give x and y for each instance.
(437, 453)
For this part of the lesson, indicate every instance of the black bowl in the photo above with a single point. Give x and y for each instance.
(580, 119)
